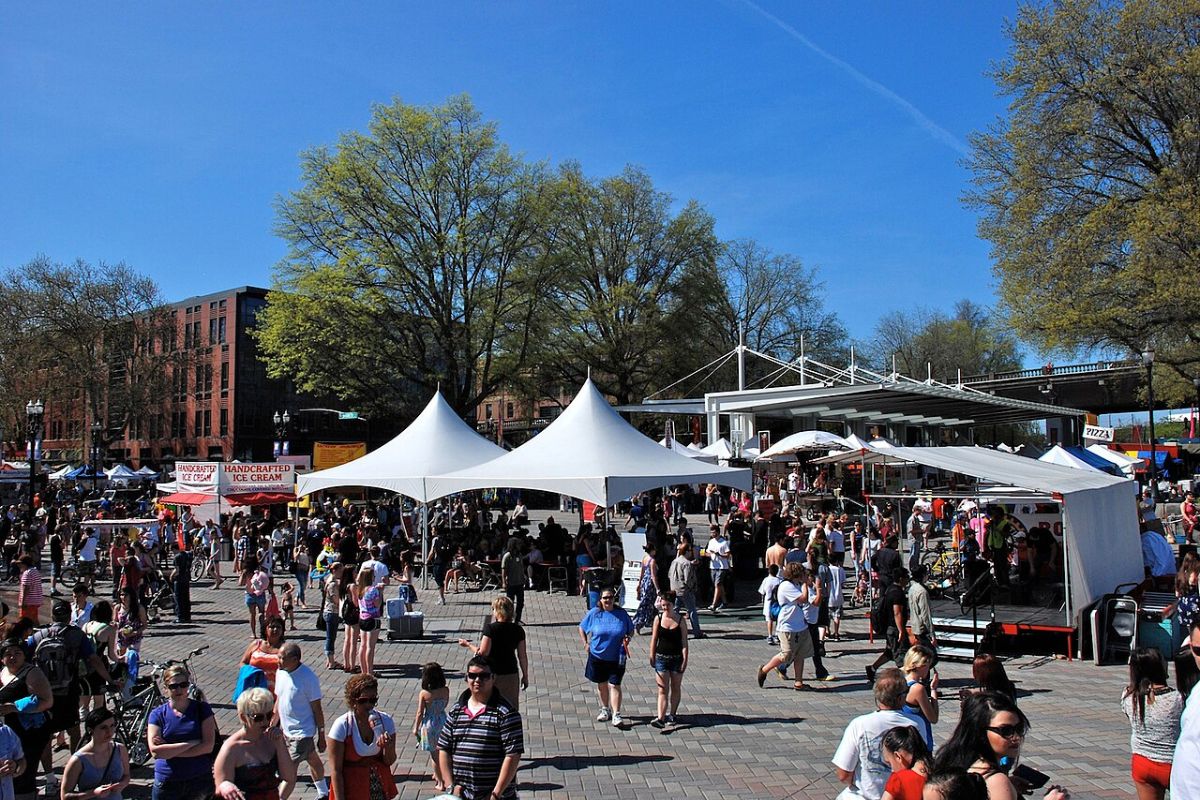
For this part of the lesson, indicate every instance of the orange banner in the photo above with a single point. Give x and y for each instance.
(328, 454)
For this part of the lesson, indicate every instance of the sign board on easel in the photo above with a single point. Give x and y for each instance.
(1096, 433)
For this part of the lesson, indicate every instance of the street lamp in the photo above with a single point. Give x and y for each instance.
(96, 428)
(1148, 360)
(33, 418)
(283, 423)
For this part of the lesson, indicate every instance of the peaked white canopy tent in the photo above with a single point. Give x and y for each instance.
(1100, 522)
(1064, 458)
(688, 450)
(436, 441)
(805, 441)
(589, 452)
(121, 473)
(721, 448)
(1128, 464)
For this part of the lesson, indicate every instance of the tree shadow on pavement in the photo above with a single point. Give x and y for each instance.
(568, 763)
(714, 720)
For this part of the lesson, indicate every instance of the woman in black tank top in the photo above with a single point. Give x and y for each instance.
(669, 657)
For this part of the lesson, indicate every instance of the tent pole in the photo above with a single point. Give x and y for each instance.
(424, 545)
(1067, 574)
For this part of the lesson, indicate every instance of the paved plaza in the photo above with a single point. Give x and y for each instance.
(735, 740)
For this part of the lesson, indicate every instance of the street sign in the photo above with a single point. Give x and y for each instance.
(1097, 433)
(347, 415)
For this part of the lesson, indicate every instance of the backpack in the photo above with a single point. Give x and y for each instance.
(57, 656)
(775, 607)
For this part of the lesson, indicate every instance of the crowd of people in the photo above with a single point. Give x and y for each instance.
(350, 560)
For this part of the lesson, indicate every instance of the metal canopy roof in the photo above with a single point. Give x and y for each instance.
(887, 401)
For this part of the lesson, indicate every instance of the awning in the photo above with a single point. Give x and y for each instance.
(187, 499)
(1160, 456)
(259, 498)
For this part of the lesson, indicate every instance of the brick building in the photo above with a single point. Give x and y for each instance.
(511, 417)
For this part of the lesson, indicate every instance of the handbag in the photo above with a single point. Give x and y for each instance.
(321, 625)
(348, 611)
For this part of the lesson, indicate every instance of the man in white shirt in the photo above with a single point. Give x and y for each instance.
(859, 758)
(1185, 768)
(720, 561)
(299, 714)
(381, 570)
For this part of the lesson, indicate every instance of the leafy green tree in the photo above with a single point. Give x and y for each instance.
(1089, 188)
(622, 261)
(416, 260)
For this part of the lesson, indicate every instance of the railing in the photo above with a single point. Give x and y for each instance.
(1051, 370)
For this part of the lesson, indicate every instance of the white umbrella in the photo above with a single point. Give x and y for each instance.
(805, 440)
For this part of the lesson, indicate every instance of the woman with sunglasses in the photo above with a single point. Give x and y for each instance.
(605, 632)
(264, 653)
(362, 745)
(24, 697)
(987, 742)
(181, 734)
(99, 770)
(251, 764)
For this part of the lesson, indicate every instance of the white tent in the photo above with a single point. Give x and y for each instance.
(855, 442)
(589, 452)
(1128, 464)
(1100, 522)
(148, 472)
(60, 474)
(1057, 455)
(804, 440)
(720, 448)
(687, 450)
(121, 473)
(437, 441)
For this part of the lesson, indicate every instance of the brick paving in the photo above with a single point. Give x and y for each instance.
(735, 740)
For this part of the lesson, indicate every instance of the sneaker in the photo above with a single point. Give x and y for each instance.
(604, 716)
(827, 677)
(617, 719)
(658, 723)
(762, 677)
(671, 719)
(870, 674)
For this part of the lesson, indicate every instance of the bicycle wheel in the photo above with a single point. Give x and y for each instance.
(199, 568)
(68, 576)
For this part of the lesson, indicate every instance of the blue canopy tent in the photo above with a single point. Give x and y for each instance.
(1093, 460)
(86, 472)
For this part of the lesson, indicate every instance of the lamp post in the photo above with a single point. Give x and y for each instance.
(283, 423)
(95, 450)
(33, 418)
(1148, 360)
(1196, 383)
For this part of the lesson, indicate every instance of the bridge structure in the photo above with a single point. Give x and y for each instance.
(1099, 387)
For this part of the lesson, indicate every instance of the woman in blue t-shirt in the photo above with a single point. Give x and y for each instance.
(605, 631)
(181, 734)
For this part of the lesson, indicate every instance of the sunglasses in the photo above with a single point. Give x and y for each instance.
(608, 597)
(258, 717)
(1009, 731)
(479, 676)
(368, 700)
(174, 686)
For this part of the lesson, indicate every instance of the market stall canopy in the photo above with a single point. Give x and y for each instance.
(1059, 455)
(721, 448)
(805, 441)
(59, 474)
(1128, 464)
(187, 499)
(687, 450)
(854, 442)
(589, 452)
(436, 442)
(1099, 513)
(148, 472)
(121, 473)
(86, 472)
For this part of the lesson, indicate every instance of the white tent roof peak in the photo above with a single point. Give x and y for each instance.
(1062, 457)
(805, 440)
(437, 441)
(591, 453)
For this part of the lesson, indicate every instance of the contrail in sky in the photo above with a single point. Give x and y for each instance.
(932, 128)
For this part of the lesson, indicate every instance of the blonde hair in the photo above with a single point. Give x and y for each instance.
(916, 657)
(368, 571)
(255, 701)
(503, 608)
(174, 671)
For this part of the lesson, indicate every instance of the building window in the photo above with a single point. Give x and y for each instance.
(208, 422)
(487, 410)
(199, 422)
(212, 331)
(224, 421)
(224, 376)
(508, 411)
(196, 333)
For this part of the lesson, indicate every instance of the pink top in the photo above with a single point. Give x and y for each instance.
(31, 588)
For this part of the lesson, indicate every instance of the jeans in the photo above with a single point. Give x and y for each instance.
(196, 788)
(331, 628)
(301, 582)
(517, 595)
(686, 599)
(183, 599)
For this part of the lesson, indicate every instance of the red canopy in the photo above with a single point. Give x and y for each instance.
(187, 499)
(259, 498)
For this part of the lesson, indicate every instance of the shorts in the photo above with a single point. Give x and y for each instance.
(668, 664)
(300, 747)
(835, 613)
(256, 601)
(1155, 773)
(55, 570)
(367, 625)
(64, 714)
(897, 646)
(600, 671)
(717, 574)
(795, 646)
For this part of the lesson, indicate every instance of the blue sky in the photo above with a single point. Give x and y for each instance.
(159, 133)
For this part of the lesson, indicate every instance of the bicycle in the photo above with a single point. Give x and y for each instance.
(133, 713)
(88, 572)
(943, 568)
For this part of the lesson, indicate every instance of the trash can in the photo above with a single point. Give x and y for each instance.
(226, 549)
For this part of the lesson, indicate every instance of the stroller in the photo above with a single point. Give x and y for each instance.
(162, 602)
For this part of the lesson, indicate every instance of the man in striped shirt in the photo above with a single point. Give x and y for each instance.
(481, 743)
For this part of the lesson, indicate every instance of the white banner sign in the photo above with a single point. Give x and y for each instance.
(1097, 434)
(197, 476)
(240, 478)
